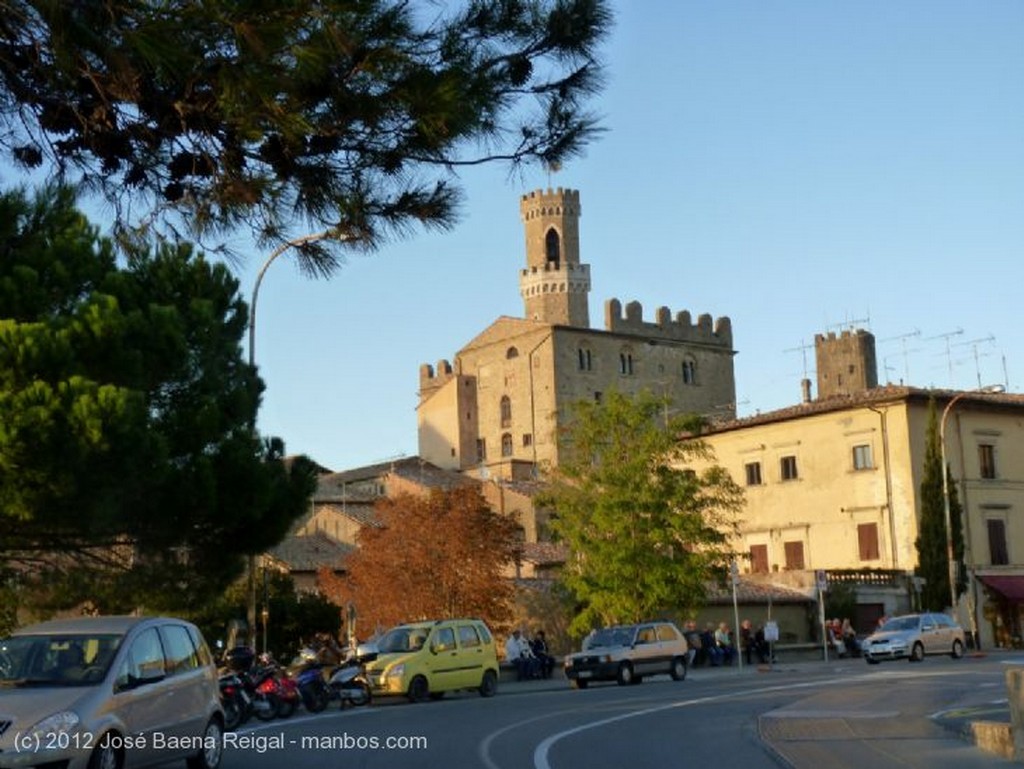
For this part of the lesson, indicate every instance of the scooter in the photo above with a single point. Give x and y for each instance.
(348, 682)
(308, 673)
(234, 699)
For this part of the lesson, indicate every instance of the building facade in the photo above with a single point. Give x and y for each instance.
(835, 484)
(497, 407)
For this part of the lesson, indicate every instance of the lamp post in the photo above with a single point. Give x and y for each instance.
(294, 243)
(945, 484)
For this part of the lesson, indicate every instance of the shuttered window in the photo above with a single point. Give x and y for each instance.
(759, 559)
(867, 540)
(794, 556)
(997, 542)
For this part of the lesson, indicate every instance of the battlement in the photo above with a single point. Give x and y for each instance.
(431, 378)
(572, 271)
(550, 203)
(858, 334)
(682, 328)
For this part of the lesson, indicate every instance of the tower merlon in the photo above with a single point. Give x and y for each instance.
(705, 330)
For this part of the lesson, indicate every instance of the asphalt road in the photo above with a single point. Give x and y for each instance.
(843, 714)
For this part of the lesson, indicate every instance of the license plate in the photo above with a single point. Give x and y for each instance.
(583, 674)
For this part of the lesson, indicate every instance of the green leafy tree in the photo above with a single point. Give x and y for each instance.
(346, 115)
(931, 543)
(645, 530)
(126, 408)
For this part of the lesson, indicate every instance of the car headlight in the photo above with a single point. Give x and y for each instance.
(58, 723)
(396, 671)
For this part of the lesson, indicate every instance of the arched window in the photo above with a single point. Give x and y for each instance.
(626, 363)
(511, 352)
(553, 246)
(506, 444)
(689, 372)
(506, 411)
(584, 359)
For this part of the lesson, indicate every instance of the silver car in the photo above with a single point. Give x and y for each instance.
(627, 653)
(108, 693)
(912, 636)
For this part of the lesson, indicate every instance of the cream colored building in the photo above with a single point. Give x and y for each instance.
(834, 484)
(495, 409)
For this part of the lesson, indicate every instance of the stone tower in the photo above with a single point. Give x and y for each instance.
(555, 287)
(846, 364)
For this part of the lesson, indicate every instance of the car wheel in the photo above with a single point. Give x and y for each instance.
(489, 684)
(209, 754)
(106, 756)
(625, 674)
(958, 650)
(419, 689)
(578, 683)
(678, 671)
(917, 653)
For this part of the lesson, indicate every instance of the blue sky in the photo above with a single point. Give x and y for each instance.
(800, 167)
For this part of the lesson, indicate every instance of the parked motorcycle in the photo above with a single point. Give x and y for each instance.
(308, 672)
(278, 685)
(234, 699)
(257, 682)
(348, 682)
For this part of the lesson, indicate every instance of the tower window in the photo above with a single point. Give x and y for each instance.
(626, 363)
(553, 247)
(481, 449)
(511, 352)
(689, 372)
(584, 359)
(506, 411)
(506, 444)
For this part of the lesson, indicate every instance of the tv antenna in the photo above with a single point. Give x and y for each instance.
(802, 349)
(851, 323)
(973, 344)
(949, 352)
(902, 339)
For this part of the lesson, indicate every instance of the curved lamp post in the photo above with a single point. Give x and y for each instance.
(945, 484)
(294, 243)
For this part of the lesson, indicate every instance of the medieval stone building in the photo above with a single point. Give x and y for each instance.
(496, 409)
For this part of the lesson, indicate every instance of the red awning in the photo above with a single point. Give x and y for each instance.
(1011, 586)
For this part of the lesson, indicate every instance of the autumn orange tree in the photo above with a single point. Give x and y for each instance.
(440, 555)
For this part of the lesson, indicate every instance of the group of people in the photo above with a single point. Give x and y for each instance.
(716, 646)
(532, 659)
(842, 638)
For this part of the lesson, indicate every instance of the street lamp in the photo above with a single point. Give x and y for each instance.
(945, 483)
(294, 243)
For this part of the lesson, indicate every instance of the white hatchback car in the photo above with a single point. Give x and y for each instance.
(912, 636)
(108, 693)
(627, 653)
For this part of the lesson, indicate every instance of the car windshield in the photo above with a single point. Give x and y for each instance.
(56, 660)
(611, 636)
(403, 639)
(901, 623)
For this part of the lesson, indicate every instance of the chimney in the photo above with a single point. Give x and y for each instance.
(805, 390)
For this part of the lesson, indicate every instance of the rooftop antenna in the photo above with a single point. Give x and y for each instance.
(903, 342)
(949, 353)
(850, 324)
(802, 349)
(973, 344)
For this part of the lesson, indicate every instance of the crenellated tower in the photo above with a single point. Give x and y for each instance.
(555, 287)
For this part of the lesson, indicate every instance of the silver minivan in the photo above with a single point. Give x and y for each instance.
(108, 693)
